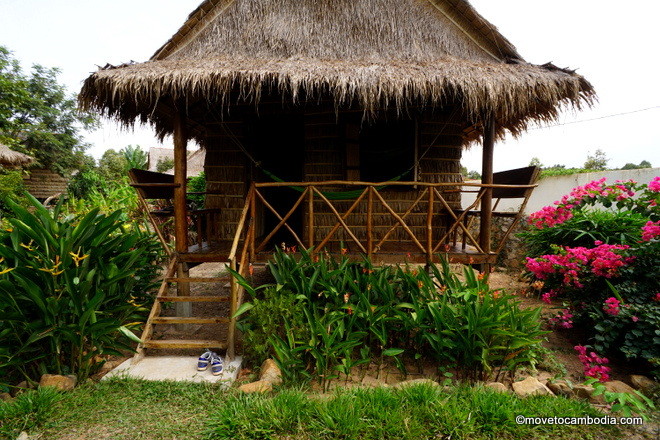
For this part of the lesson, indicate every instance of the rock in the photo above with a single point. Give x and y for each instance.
(22, 386)
(62, 383)
(643, 383)
(616, 386)
(560, 388)
(497, 386)
(413, 382)
(260, 386)
(530, 387)
(5, 396)
(270, 372)
(586, 392)
(371, 381)
(23, 436)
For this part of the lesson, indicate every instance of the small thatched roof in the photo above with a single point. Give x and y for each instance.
(11, 158)
(373, 54)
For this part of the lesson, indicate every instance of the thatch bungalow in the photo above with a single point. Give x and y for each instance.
(336, 123)
(13, 159)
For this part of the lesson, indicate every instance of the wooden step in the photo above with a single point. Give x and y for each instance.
(189, 320)
(184, 343)
(192, 298)
(198, 280)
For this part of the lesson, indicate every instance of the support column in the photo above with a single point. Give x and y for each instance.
(183, 309)
(487, 179)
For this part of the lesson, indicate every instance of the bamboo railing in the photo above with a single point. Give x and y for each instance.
(246, 246)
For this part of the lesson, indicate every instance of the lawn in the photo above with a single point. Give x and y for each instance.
(133, 409)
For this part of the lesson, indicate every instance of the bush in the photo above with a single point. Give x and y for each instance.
(327, 316)
(71, 288)
(605, 265)
(11, 189)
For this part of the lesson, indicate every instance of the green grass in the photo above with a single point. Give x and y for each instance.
(131, 409)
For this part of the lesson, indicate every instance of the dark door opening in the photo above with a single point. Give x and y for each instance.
(278, 143)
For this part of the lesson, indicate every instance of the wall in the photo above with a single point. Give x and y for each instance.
(551, 189)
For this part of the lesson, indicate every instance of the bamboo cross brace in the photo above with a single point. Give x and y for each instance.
(341, 220)
(400, 220)
(282, 219)
(159, 233)
(396, 225)
(277, 214)
(458, 221)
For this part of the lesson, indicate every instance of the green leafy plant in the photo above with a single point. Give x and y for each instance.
(71, 288)
(357, 314)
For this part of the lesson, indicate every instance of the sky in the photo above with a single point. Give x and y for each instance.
(613, 44)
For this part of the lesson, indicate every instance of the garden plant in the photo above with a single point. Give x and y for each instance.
(71, 289)
(322, 317)
(597, 253)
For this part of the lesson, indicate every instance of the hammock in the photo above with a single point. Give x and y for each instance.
(335, 195)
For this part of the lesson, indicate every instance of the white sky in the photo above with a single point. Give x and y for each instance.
(613, 45)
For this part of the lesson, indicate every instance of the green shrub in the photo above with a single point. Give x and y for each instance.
(332, 315)
(604, 265)
(70, 289)
(11, 189)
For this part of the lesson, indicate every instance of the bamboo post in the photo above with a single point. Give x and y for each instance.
(487, 179)
(310, 218)
(370, 221)
(429, 229)
(183, 309)
(233, 301)
(253, 219)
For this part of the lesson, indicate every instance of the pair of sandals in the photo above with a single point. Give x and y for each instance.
(212, 359)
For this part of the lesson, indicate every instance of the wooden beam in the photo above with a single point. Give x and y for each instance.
(487, 179)
(180, 179)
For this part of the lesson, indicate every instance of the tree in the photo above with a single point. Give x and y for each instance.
(113, 165)
(535, 162)
(135, 157)
(596, 162)
(37, 116)
(164, 165)
(632, 166)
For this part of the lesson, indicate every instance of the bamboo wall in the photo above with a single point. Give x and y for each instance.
(227, 170)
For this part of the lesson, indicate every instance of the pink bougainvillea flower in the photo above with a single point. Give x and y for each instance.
(612, 306)
(654, 185)
(635, 319)
(650, 230)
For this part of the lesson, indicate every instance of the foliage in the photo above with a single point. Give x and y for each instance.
(584, 228)
(11, 188)
(597, 162)
(164, 165)
(70, 290)
(417, 412)
(112, 165)
(625, 403)
(28, 411)
(37, 116)
(611, 285)
(107, 196)
(353, 312)
(197, 184)
(631, 166)
(135, 157)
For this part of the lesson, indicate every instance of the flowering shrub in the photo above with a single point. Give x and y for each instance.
(604, 264)
(594, 365)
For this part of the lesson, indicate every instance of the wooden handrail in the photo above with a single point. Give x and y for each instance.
(394, 183)
(241, 225)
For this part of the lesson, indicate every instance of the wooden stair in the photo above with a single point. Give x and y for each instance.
(155, 317)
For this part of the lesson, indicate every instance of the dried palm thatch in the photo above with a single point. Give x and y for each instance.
(11, 158)
(372, 54)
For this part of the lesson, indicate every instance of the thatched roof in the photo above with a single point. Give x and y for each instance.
(11, 158)
(373, 54)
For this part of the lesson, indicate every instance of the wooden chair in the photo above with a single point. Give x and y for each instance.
(158, 186)
(520, 176)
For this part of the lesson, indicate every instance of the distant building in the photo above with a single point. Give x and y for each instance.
(195, 160)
